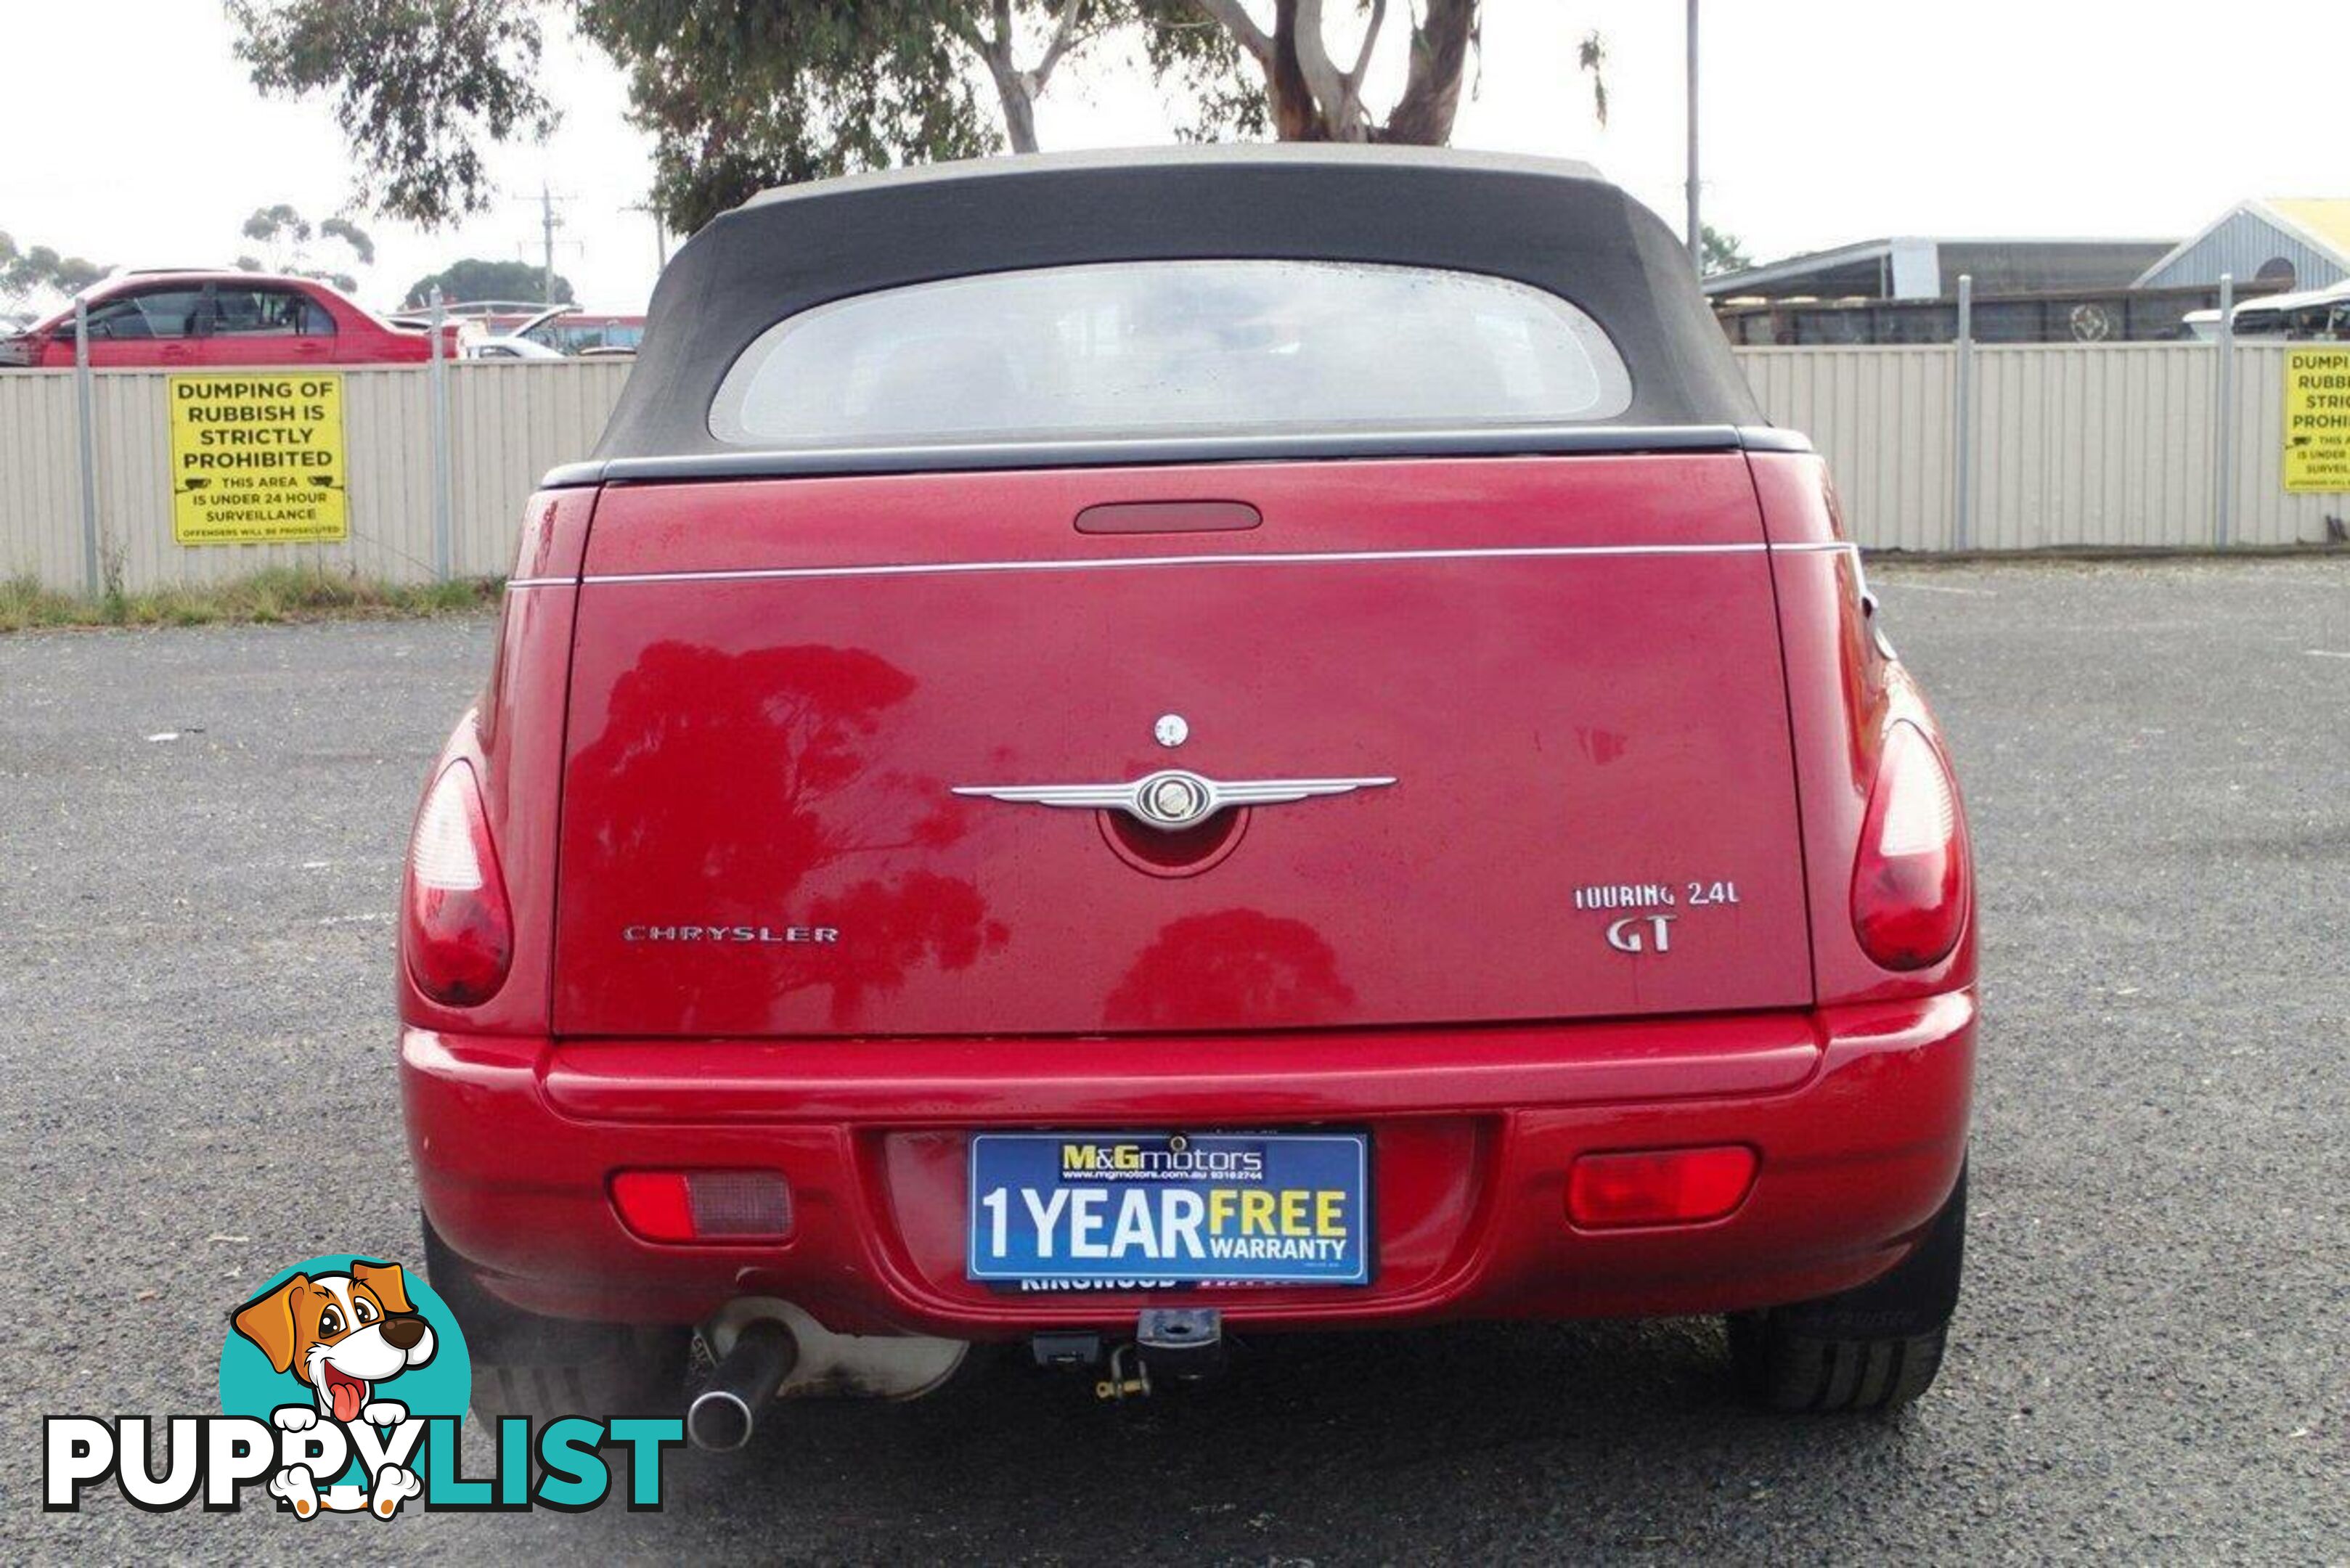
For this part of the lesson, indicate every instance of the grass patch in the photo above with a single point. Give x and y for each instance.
(278, 594)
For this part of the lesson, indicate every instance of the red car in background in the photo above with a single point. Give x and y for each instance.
(192, 319)
(1115, 750)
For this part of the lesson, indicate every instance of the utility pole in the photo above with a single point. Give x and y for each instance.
(547, 229)
(1696, 229)
(660, 231)
(2224, 401)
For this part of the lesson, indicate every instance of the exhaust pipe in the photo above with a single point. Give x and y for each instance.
(721, 1415)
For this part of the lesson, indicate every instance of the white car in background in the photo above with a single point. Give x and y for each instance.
(563, 331)
(507, 346)
(2321, 314)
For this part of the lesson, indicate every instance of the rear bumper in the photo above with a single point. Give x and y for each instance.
(1859, 1116)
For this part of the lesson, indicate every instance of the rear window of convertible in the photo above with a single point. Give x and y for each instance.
(1137, 349)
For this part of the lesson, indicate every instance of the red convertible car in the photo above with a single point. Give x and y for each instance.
(1118, 750)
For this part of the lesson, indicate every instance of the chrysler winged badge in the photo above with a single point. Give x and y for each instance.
(1171, 799)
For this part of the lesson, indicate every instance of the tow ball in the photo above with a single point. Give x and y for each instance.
(1182, 1343)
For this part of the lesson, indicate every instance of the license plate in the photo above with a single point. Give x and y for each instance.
(1170, 1208)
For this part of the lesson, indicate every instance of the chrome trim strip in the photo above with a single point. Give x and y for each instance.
(1771, 437)
(1268, 558)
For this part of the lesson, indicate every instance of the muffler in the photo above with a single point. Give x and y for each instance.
(722, 1417)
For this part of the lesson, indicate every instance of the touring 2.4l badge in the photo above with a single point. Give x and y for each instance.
(1653, 906)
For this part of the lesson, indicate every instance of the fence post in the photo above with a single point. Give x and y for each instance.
(441, 506)
(86, 419)
(2223, 467)
(1963, 524)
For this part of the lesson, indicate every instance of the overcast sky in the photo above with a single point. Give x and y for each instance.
(1825, 121)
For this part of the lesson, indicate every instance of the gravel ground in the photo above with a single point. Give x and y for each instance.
(2151, 1364)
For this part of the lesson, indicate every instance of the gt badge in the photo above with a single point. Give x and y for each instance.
(1641, 933)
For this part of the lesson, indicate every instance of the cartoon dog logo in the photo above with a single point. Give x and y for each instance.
(343, 1337)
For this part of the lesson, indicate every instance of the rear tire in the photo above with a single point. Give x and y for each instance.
(1875, 1347)
(542, 1368)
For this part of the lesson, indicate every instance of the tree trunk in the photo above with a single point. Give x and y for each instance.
(1439, 58)
(1019, 109)
(1295, 115)
(1432, 95)
(1016, 89)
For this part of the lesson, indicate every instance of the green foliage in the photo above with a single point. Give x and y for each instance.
(23, 602)
(1591, 59)
(1205, 73)
(738, 94)
(418, 86)
(741, 95)
(277, 226)
(278, 594)
(474, 278)
(22, 271)
(362, 245)
(1719, 253)
(289, 234)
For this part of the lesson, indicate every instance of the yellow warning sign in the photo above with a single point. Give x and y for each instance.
(259, 460)
(2317, 419)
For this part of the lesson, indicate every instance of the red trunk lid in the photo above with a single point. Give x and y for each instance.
(1569, 665)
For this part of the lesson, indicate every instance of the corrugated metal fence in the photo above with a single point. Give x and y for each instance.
(508, 424)
(2075, 445)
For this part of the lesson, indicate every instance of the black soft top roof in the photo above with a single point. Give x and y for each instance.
(1556, 225)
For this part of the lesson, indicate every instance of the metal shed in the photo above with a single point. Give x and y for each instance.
(2289, 243)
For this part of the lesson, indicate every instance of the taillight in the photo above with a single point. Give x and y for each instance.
(1909, 886)
(1659, 1187)
(704, 1205)
(459, 934)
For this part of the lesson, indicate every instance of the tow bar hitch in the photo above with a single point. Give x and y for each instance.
(1185, 1343)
